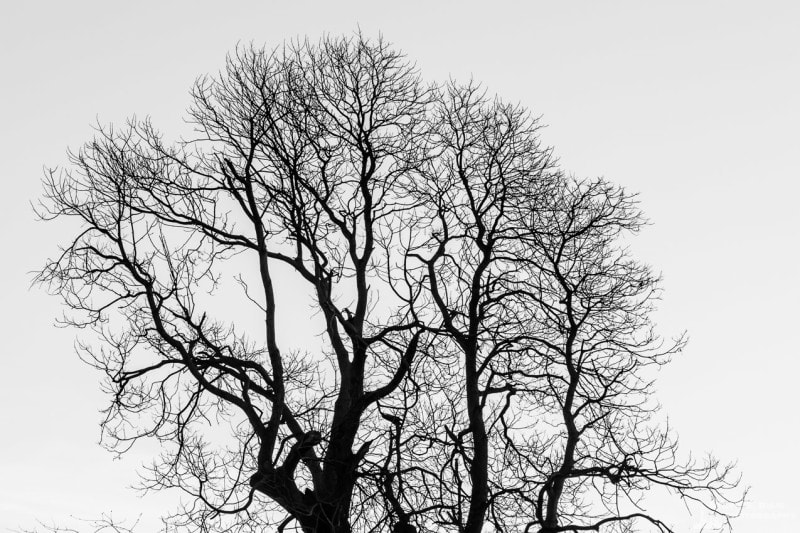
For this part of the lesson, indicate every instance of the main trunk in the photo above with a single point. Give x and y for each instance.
(478, 470)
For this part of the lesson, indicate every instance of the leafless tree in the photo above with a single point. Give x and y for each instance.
(587, 306)
(485, 340)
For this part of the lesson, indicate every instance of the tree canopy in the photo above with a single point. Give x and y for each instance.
(486, 352)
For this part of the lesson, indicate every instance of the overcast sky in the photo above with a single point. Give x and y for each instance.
(695, 105)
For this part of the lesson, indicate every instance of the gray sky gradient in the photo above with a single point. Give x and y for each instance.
(695, 105)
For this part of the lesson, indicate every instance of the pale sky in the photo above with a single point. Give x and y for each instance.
(695, 105)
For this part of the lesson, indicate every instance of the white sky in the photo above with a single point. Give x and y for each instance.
(696, 105)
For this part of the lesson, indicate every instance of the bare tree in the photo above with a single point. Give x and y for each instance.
(469, 295)
(488, 159)
(587, 304)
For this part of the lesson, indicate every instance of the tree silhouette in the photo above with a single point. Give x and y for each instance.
(485, 337)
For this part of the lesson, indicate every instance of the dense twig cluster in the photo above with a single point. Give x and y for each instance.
(486, 339)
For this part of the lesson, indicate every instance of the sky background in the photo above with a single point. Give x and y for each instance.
(695, 105)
